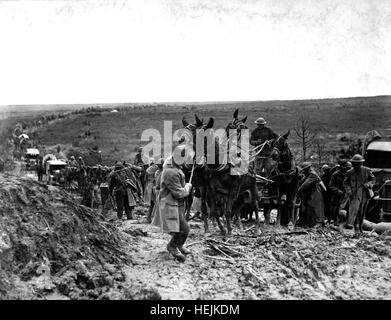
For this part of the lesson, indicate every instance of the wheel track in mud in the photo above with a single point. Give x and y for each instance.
(319, 265)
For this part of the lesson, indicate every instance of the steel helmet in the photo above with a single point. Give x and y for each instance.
(306, 165)
(118, 166)
(343, 163)
(260, 120)
(357, 158)
(325, 167)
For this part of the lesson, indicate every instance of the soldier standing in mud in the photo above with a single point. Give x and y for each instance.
(358, 184)
(261, 134)
(155, 188)
(338, 200)
(40, 169)
(139, 162)
(311, 193)
(170, 216)
(119, 189)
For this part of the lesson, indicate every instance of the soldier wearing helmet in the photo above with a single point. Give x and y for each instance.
(155, 187)
(358, 184)
(339, 200)
(259, 135)
(311, 194)
(120, 189)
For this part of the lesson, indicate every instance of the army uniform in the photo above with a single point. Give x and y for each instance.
(312, 205)
(358, 184)
(259, 136)
(170, 216)
(118, 186)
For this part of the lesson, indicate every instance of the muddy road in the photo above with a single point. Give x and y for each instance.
(89, 256)
(279, 264)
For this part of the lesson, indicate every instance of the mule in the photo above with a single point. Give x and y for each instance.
(223, 185)
(286, 176)
(199, 175)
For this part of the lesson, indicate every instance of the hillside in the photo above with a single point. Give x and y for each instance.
(118, 134)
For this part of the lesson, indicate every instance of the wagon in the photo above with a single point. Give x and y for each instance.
(377, 155)
(31, 156)
(53, 171)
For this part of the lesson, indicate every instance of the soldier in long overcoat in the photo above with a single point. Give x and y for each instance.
(155, 189)
(170, 216)
(311, 193)
(358, 185)
(338, 200)
(123, 189)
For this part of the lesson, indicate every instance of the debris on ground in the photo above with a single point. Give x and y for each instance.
(279, 264)
(53, 248)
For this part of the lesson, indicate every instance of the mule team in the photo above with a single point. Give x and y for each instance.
(346, 186)
(168, 188)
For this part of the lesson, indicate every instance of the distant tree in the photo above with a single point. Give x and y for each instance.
(319, 148)
(305, 135)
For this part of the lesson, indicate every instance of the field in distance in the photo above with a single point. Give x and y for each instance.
(118, 134)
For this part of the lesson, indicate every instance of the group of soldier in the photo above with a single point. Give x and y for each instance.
(343, 188)
(340, 193)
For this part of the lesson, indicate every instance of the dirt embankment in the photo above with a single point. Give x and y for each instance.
(52, 247)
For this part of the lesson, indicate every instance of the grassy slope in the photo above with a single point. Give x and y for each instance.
(118, 134)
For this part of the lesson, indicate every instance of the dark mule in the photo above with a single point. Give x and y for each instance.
(286, 176)
(223, 182)
(199, 176)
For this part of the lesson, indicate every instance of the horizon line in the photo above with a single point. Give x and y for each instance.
(190, 102)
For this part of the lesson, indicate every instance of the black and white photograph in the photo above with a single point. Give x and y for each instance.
(213, 151)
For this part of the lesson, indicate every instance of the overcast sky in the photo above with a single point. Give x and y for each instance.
(184, 50)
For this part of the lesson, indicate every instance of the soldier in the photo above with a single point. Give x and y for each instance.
(73, 162)
(311, 193)
(40, 169)
(170, 216)
(338, 199)
(149, 177)
(358, 184)
(119, 189)
(81, 163)
(261, 134)
(140, 162)
(155, 189)
(138, 159)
